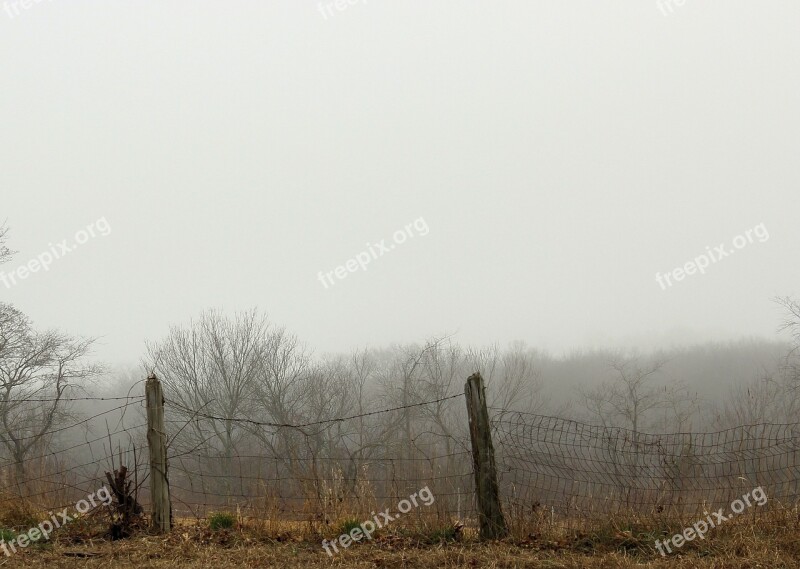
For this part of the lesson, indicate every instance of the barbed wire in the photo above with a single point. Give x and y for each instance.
(68, 427)
(54, 399)
(312, 423)
(79, 445)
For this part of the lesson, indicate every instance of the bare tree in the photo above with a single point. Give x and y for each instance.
(631, 398)
(209, 370)
(513, 377)
(37, 372)
(339, 387)
(224, 377)
(442, 375)
(284, 394)
(762, 400)
(401, 383)
(5, 252)
(775, 394)
(791, 324)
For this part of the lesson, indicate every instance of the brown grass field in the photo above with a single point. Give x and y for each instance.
(741, 546)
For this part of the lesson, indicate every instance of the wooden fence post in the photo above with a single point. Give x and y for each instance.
(490, 516)
(157, 442)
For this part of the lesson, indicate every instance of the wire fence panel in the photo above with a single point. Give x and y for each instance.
(570, 473)
(318, 471)
(65, 463)
(551, 470)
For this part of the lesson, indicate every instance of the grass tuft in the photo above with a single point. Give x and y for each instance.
(221, 520)
(349, 525)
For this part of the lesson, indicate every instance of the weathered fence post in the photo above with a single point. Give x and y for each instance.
(157, 442)
(490, 516)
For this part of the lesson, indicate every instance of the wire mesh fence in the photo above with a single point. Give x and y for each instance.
(551, 471)
(571, 474)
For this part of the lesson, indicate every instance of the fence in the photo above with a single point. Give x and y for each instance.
(187, 463)
(56, 479)
(576, 475)
(315, 472)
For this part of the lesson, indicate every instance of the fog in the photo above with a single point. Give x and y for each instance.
(543, 164)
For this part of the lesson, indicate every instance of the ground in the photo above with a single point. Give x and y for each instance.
(222, 551)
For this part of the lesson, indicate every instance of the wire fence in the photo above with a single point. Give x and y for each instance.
(572, 474)
(61, 465)
(316, 471)
(551, 470)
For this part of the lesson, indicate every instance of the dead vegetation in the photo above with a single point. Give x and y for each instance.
(203, 548)
(227, 540)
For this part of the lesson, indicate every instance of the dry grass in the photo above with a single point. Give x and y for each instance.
(740, 546)
(746, 542)
(176, 551)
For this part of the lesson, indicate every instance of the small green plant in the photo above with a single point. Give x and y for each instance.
(7, 535)
(450, 533)
(348, 525)
(221, 520)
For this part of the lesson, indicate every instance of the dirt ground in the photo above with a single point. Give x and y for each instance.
(177, 551)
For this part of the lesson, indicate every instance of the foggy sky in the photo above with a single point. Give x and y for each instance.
(561, 154)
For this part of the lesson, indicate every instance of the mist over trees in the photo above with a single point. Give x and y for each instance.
(232, 367)
(234, 382)
(39, 371)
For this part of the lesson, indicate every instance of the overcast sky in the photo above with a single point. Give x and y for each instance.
(555, 156)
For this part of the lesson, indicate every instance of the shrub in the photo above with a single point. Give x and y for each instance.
(348, 525)
(221, 520)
